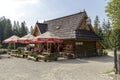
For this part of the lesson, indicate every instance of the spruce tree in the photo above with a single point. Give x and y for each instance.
(97, 28)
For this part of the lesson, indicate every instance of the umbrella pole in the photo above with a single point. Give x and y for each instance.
(50, 47)
(47, 47)
(57, 47)
(9, 46)
(14, 45)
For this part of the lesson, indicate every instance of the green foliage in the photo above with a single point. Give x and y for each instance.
(3, 51)
(96, 24)
(106, 33)
(7, 29)
(115, 38)
(0, 46)
(33, 54)
(19, 49)
(105, 52)
(23, 29)
(47, 56)
(16, 28)
(97, 28)
(113, 12)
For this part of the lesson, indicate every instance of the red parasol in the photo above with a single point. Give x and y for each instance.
(12, 39)
(26, 39)
(47, 37)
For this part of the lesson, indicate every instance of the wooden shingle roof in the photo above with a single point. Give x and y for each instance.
(65, 26)
(42, 27)
(86, 35)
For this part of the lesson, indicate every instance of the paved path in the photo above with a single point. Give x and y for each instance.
(77, 69)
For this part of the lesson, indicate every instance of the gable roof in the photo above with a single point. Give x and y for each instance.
(68, 27)
(42, 27)
(65, 26)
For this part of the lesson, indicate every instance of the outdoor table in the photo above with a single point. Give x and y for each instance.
(46, 53)
(40, 57)
(25, 55)
(14, 52)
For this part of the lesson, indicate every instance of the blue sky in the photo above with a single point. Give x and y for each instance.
(33, 10)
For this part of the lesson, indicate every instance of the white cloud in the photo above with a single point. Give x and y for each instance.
(20, 2)
(30, 1)
(13, 8)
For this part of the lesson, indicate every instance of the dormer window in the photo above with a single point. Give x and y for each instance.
(57, 27)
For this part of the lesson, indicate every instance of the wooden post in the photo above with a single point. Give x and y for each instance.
(47, 46)
(50, 47)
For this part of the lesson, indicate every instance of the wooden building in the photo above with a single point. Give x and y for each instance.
(75, 30)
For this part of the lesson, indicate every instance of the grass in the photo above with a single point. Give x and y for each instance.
(110, 50)
(118, 51)
(3, 49)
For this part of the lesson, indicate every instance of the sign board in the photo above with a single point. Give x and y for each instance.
(78, 43)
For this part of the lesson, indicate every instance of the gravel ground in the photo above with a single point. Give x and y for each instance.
(76, 69)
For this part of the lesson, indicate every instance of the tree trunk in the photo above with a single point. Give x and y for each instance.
(115, 60)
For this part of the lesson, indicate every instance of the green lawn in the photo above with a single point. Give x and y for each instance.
(109, 50)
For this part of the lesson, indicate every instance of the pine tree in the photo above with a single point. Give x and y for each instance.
(7, 29)
(15, 28)
(96, 25)
(31, 29)
(23, 29)
(97, 28)
(106, 33)
(3, 21)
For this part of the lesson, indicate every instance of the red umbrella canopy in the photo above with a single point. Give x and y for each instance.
(36, 40)
(11, 39)
(47, 37)
(26, 39)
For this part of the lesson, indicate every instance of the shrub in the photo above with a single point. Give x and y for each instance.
(19, 51)
(50, 56)
(0, 46)
(47, 57)
(105, 52)
(33, 54)
(3, 51)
